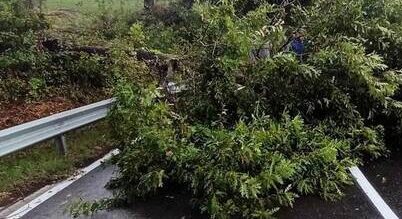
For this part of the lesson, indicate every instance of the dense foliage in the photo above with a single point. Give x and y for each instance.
(35, 66)
(18, 32)
(248, 170)
(256, 123)
(248, 134)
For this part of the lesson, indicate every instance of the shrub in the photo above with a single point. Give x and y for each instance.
(18, 29)
(20, 56)
(37, 86)
(13, 89)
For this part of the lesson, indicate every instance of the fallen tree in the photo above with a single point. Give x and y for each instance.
(247, 136)
(162, 65)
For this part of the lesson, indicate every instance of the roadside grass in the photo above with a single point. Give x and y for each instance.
(91, 5)
(75, 18)
(26, 171)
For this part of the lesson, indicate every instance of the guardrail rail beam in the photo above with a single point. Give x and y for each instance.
(27, 134)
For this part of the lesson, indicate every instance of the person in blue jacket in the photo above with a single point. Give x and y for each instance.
(297, 44)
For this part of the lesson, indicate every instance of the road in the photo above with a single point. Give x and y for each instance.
(91, 187)
(386, 177)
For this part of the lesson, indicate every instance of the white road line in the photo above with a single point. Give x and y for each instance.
(58, 187)
(359, 177)
(372, 194)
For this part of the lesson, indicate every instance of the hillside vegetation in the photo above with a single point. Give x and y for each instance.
(37, 62)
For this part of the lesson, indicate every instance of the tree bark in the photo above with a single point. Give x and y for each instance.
(148, 4)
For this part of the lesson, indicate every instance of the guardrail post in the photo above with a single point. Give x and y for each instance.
(61, 145)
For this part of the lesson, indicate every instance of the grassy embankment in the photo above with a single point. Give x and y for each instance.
(26, 171)
(90, 5)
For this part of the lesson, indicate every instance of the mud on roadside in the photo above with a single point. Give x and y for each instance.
(16, 113)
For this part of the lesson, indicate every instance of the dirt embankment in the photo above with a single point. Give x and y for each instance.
(12, 114)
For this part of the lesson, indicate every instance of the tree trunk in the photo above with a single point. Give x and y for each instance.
(148, 4)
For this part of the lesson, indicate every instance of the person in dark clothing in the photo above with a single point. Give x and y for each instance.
(297, 44)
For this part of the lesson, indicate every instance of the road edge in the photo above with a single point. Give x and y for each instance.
(372, 194)
(45, 193)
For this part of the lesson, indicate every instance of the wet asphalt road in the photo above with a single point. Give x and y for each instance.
(91, 187)
(386, 177)
(353, 205)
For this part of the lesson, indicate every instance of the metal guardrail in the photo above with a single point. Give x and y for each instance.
(54, 126)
